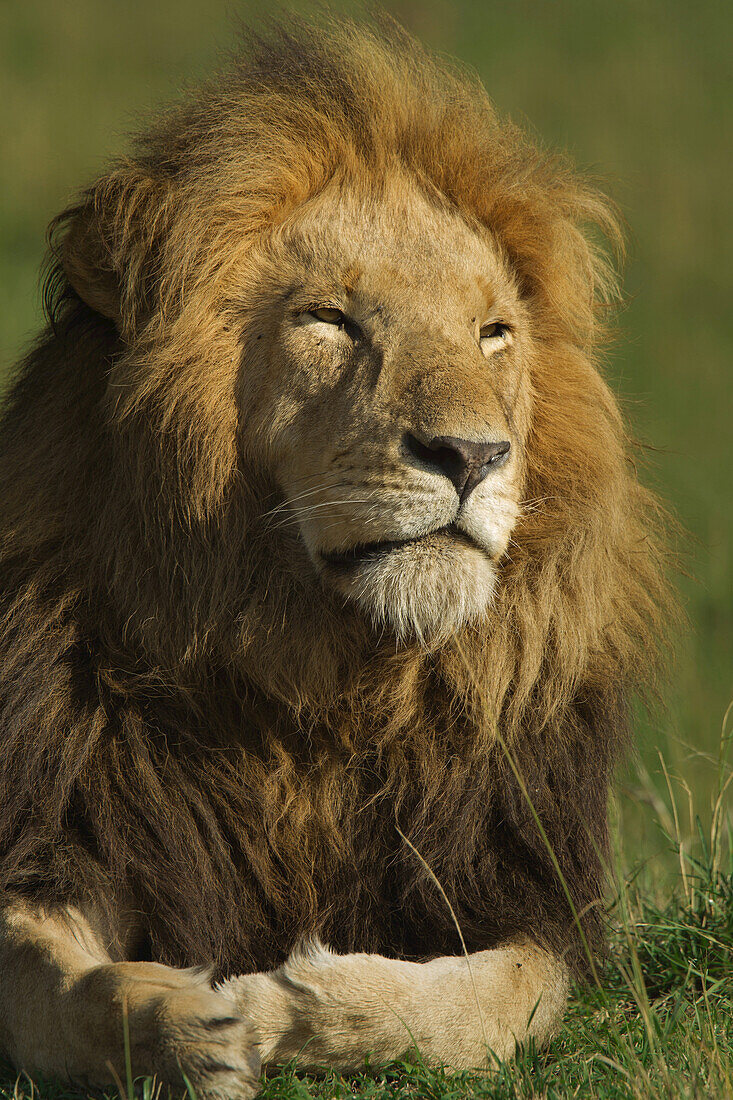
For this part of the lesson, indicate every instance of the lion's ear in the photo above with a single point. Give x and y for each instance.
(110, 246)
(88, 267)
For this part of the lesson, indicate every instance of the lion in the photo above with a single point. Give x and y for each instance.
(326, 581)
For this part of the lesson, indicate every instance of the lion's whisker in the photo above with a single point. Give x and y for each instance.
(288, 501)
(301, 514)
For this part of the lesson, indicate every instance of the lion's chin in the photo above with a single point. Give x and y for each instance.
(424, 591)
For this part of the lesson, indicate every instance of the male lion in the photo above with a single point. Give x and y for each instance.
(325, 578)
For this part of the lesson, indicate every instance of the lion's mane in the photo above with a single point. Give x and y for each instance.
(184, 730)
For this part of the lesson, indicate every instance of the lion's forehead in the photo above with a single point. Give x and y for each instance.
(401, 248)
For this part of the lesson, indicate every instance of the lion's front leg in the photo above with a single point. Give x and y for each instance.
(334, 1010)
(67, 1010)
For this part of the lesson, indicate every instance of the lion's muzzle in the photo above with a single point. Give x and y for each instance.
(465, 462)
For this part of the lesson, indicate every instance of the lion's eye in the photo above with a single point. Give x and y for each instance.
(328, 315)
(494, 337)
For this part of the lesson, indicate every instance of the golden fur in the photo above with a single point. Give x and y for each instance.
(204, 723)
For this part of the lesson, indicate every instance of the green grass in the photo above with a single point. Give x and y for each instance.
(639, 92)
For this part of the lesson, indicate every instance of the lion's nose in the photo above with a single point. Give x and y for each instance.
(465, 462)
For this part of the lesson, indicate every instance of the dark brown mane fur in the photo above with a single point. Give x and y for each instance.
(190, 729)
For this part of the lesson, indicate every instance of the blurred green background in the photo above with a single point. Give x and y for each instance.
(638, 92)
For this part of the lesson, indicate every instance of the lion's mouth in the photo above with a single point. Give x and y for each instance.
(365, 552)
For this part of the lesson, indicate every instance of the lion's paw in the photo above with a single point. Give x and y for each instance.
(203, 1035)
(295, 1008)
(180, 1029)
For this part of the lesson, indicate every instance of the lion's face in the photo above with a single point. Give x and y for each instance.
(387, 382)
